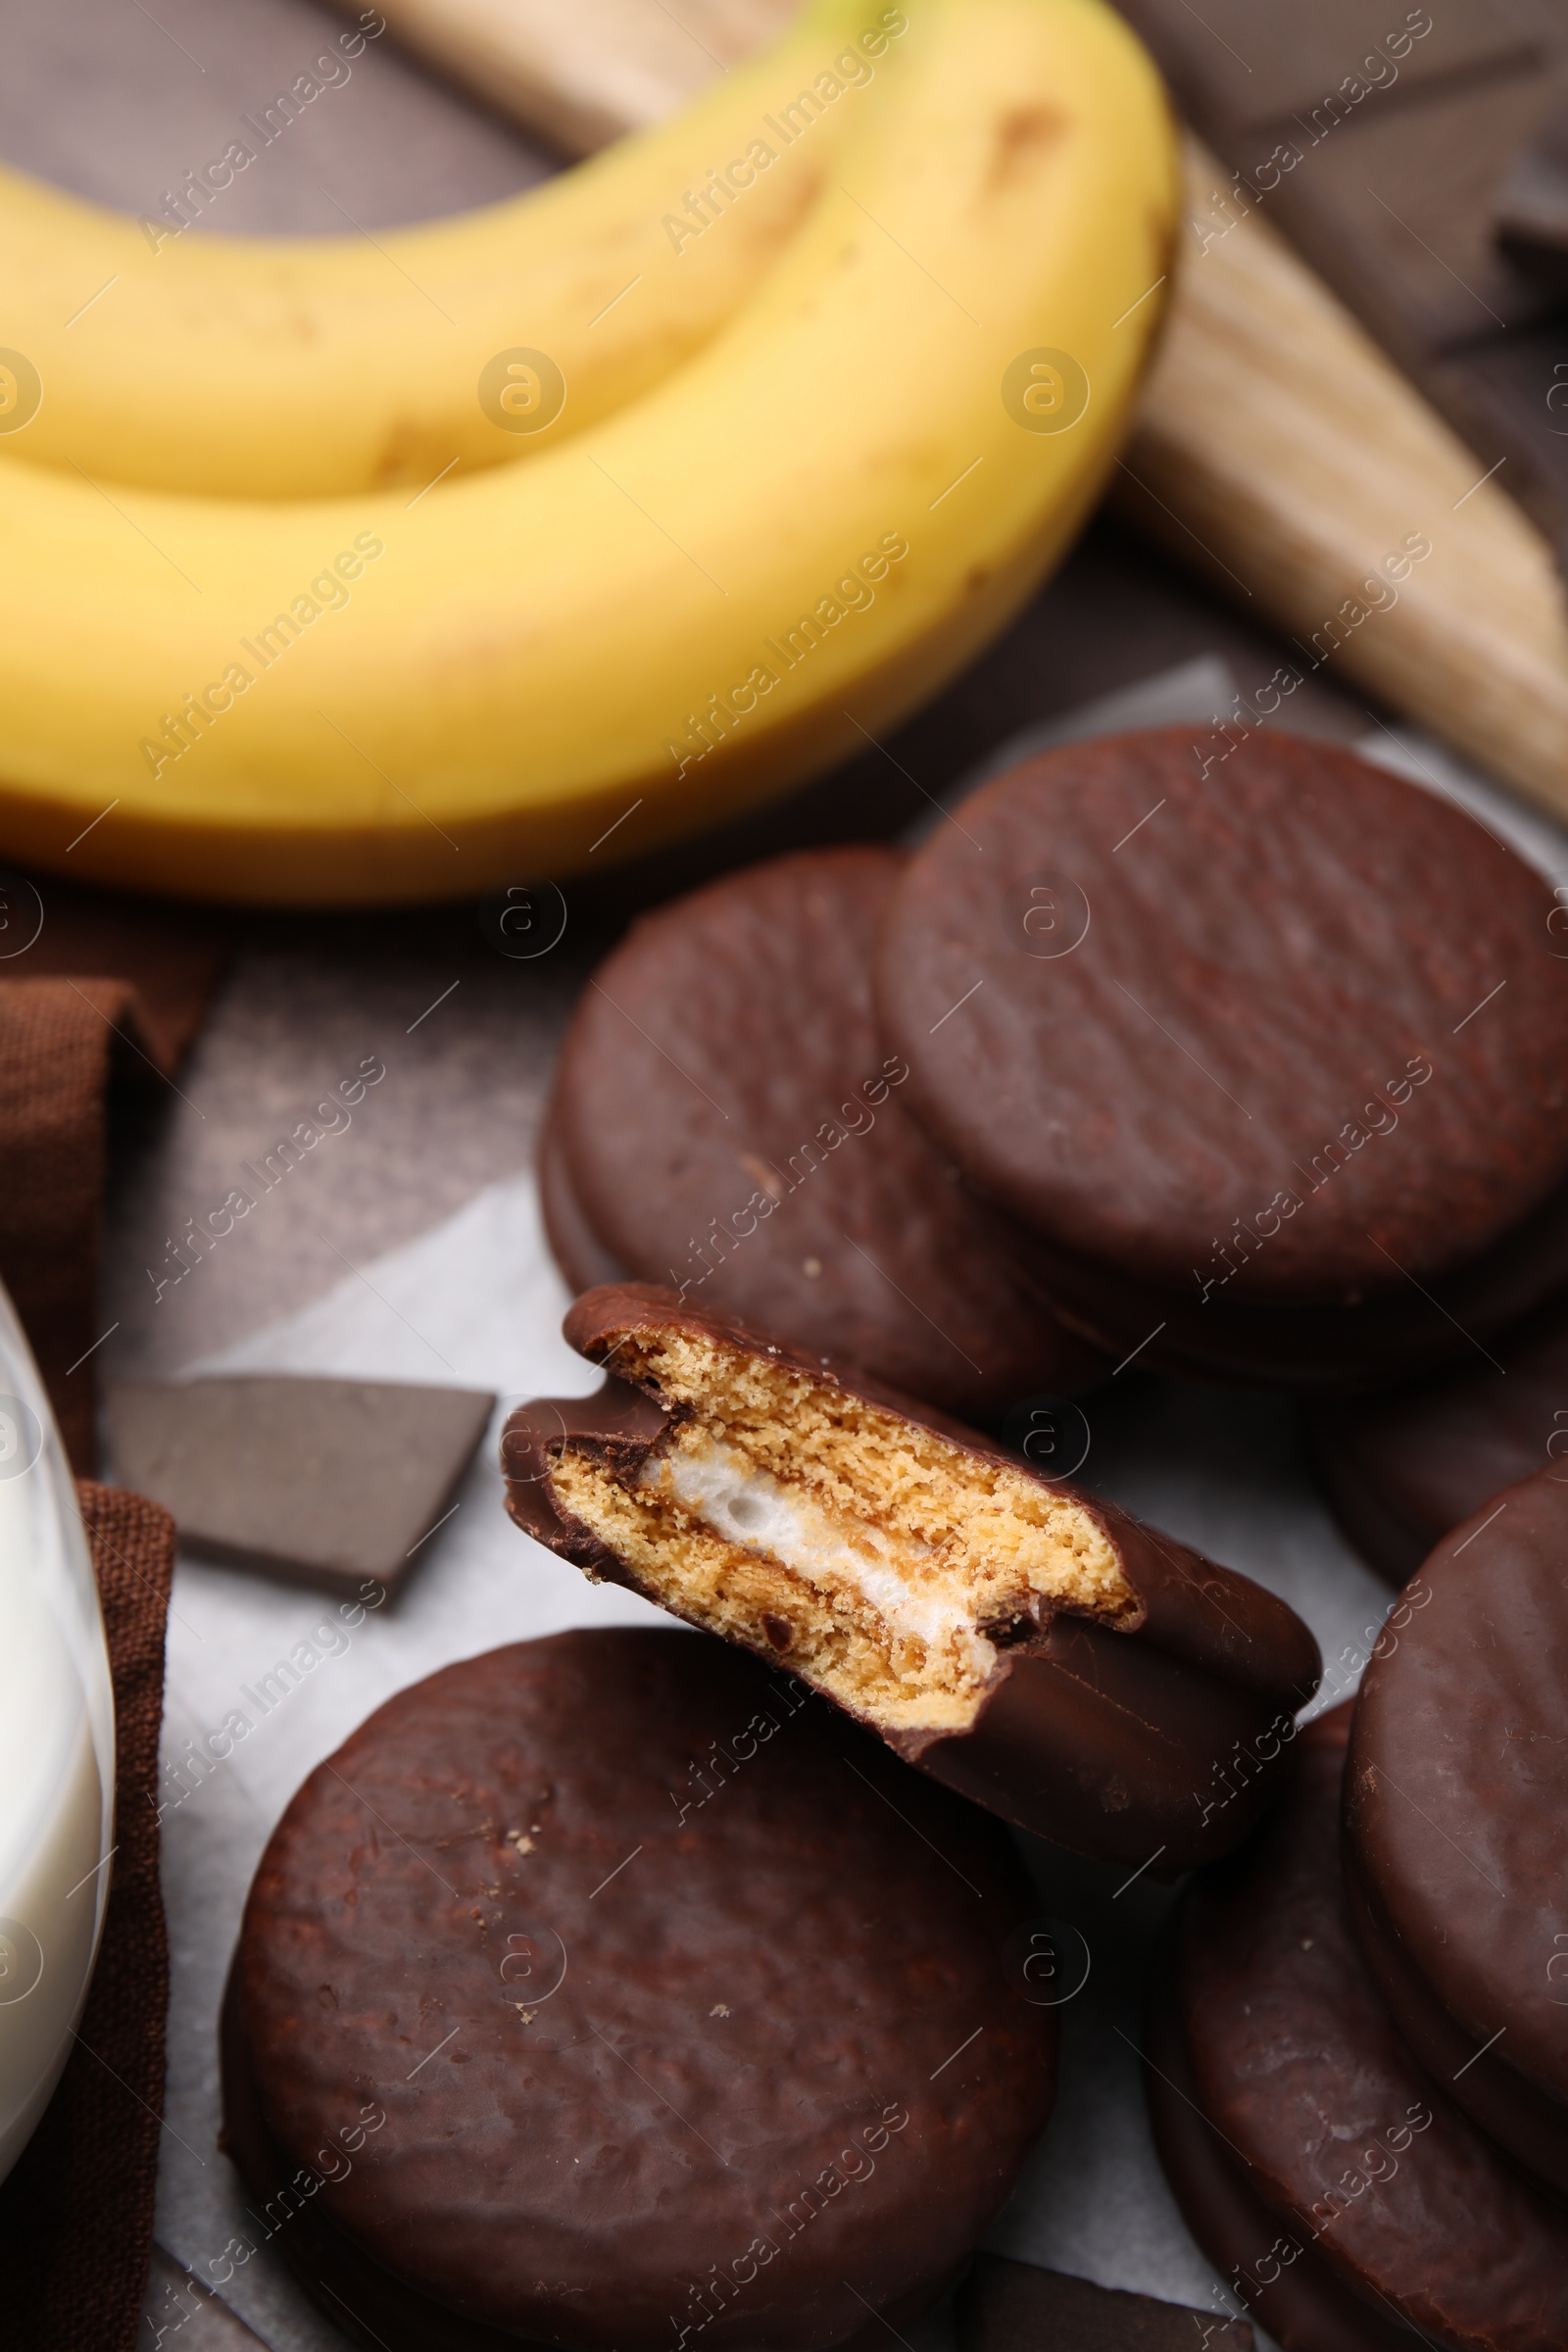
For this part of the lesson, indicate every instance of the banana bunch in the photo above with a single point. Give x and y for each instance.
(857, 415)
(302, 368)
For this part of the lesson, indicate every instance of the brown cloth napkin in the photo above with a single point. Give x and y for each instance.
(90, 988)
(76, 2211)
(54, 1043)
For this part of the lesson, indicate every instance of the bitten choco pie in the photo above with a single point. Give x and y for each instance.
(1070, 1669)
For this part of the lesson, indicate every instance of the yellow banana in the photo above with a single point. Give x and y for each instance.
(783, 547)
(142, 353)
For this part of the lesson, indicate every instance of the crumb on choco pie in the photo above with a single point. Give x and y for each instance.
(725, 1118)
(1269, 1065)
(610, 1991)
(1074, 1671)
(1347, 2198)
(1456, 1818)
(1403, 1468)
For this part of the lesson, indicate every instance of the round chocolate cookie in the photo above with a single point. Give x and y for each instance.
(1456, 1818)
(1349, 2201)
(1035, 1647)
(608, 1990)
(726, 1120)
(1270, 1065)
(1401, 1469)
(578, 1252)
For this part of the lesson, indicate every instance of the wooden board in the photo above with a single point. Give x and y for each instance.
(579, 74)
(1277, 453)
(1281, 454)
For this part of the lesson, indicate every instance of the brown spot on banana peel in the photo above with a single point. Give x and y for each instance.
(1024, 137)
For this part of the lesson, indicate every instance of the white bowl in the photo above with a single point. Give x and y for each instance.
(56, 1750)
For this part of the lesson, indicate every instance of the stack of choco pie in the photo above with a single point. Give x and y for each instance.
(1259, 1075)
(623, 1989)
(1356, 2055)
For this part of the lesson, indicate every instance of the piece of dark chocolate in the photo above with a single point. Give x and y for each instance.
(330, 1480)
(1387, 143)
(1064, 1666)
(177, 2303)
(1017, 2307)
(1532, 206)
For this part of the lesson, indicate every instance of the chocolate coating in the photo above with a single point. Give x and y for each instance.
(1456, 1820)
(1263, 1056)
(1152, 1742)
(374, 2307)
(634, 1945)
(1350, 2192)
(577, 1250)
(1401, 1469)
(726, 1119)
(1302, 2304)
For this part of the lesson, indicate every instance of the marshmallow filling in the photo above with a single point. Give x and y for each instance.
(865, 1553)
